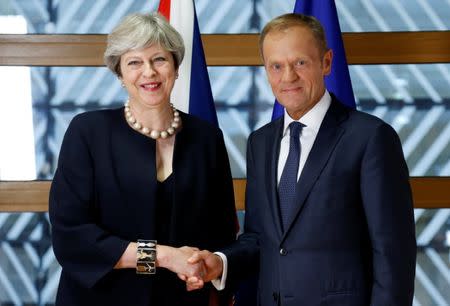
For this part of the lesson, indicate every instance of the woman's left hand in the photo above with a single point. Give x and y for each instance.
(176, 260)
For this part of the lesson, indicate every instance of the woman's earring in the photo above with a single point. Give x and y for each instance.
(122, 84)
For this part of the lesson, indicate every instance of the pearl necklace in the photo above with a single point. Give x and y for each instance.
(155, 134)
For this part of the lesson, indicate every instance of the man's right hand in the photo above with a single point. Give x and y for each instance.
(213, 269)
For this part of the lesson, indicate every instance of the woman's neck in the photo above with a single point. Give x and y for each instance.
(158, 117)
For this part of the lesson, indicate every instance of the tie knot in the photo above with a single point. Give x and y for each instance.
(295, 128)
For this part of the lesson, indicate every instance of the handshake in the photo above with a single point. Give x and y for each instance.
(191, 265)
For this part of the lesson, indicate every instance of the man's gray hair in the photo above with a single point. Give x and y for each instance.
(286, 21)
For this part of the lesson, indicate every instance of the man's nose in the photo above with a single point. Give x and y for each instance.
(289, 74)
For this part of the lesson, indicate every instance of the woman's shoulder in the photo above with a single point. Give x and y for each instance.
(95, 115)
(199, 126)
(95, 118)
(93, 124)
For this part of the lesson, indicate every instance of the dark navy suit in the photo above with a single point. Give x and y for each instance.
(351, 241)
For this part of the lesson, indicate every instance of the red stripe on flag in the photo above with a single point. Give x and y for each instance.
(164, 8)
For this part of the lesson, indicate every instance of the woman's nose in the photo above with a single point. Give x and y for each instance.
(148, 69)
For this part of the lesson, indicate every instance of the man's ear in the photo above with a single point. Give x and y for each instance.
(326, 62)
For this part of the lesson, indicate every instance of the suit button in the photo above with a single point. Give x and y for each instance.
(275, 296)
(283, 252)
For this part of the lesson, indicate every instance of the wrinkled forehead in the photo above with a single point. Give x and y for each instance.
(288, 40)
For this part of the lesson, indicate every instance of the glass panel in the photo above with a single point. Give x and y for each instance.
(57, 94)
(432, 286)
(29, 272)
(81, 17)
(412, 98)
(399, 15)
(231, 16)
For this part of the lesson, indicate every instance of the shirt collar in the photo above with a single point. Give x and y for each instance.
(314, 117)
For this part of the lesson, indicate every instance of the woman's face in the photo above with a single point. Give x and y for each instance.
(148, 75)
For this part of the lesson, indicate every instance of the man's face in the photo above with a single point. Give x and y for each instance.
(296, 68)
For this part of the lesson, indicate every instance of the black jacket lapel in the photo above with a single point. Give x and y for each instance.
(134, 158)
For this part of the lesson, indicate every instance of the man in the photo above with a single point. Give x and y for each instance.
(329, 211)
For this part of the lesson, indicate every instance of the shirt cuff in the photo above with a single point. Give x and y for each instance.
(219, 283)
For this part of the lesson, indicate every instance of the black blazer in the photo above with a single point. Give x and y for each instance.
(352, 238)
(103, 196)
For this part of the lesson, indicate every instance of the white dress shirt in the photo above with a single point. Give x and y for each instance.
(312, 121)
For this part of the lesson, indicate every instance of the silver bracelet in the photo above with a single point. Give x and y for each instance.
(146, 257)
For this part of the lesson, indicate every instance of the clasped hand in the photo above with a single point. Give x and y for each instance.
(196, 267)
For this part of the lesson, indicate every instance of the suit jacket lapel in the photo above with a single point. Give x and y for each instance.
(272, 151)
(327, 138)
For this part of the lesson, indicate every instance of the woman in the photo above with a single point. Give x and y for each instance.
(143, 172)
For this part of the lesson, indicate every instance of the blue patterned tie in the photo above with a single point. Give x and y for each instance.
(288, 180)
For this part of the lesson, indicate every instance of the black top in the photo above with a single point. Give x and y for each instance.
(164, 202)
(103, 196)
(166, 281)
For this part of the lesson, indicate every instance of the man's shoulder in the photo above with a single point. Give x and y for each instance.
(361, 125)
(354, 116)
(268, 129)
(358, 119)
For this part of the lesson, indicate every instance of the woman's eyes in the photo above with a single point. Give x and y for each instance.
(133, 62)
(159, 60)
(155, 61)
